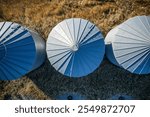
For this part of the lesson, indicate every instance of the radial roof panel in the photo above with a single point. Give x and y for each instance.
(18, 51)
(132, 45)
(75, 47)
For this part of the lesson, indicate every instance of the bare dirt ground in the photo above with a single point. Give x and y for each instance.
(45, 82)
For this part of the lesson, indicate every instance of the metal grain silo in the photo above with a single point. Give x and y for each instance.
(131, 45)
(75, 47)
(21, 50)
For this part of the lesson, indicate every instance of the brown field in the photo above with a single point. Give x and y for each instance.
(45, 82)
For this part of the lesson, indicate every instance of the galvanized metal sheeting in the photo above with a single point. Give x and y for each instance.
(130, 45)
(40, 49)
(21, 50)
(108, 42)
(75, 47)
